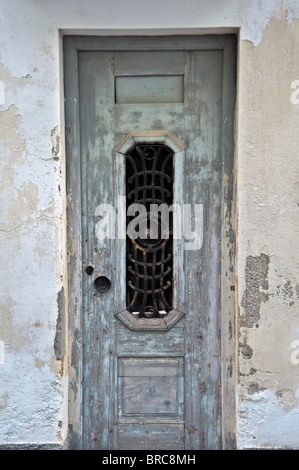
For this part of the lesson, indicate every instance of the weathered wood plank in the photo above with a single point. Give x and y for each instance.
(203, 150)
(149, 89)
(74, 245)
(161, 342)
(149, 63)
(96, 81)
(149, 117)
(151, 387)
(228, 248)
(151, 436)
(149, 43)
(139, 367)
(149, 395)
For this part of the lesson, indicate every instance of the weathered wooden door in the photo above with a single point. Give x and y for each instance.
(147, 124)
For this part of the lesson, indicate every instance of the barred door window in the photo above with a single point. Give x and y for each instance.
(149, 193)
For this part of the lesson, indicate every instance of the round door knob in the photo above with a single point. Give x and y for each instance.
(102, 284)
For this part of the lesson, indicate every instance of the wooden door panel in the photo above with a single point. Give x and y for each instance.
(102, 118)
(151, 388)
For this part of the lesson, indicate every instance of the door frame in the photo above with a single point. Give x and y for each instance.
(71, 46)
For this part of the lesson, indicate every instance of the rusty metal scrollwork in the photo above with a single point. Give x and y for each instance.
(149, 182)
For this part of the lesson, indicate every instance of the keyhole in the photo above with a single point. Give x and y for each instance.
(102, 284)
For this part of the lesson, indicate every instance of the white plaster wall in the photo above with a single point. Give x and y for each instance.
(33, 382)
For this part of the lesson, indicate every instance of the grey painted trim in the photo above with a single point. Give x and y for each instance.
(126, 43)
(228, 249)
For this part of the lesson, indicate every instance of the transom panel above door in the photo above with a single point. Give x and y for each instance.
(149, 175)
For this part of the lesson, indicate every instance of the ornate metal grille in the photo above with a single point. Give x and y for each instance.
(149, 182)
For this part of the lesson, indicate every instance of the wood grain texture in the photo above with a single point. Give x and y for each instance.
(151, 436)
(149, 89)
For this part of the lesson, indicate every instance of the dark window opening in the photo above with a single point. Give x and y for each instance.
(149, 182)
